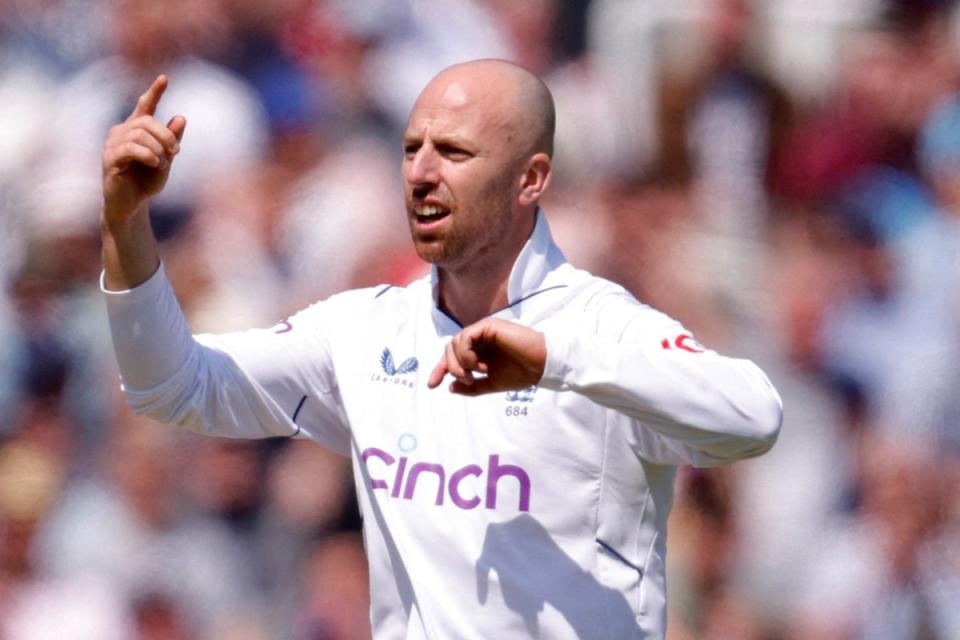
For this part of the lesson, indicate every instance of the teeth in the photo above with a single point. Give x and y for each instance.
(429, 211)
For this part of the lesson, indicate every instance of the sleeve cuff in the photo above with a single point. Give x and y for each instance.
(557, 369)
(151, 338)
(148, 289)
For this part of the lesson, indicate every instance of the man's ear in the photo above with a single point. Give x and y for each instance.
(535, 179)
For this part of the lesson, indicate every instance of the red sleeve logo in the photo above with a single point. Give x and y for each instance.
(684, 342)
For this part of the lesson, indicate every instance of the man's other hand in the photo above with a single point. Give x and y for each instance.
(507, 356)
(137, 157)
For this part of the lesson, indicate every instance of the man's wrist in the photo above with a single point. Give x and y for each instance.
(130, 253)
(117, 222)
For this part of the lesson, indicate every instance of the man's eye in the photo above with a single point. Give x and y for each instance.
(454, 153)
(410, 150)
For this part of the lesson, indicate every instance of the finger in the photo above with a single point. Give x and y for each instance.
(466, 354)
(127, 152)
(438, 373)
(148, 101)
(177, 125)
(455, 367)
(162, 133)
(472, 343)
(146, 139)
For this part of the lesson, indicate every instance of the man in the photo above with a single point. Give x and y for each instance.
(529, 499)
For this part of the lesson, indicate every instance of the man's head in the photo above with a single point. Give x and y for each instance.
(476, 160)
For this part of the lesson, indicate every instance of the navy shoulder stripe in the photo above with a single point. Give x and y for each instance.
(530, 295)
(296, 412)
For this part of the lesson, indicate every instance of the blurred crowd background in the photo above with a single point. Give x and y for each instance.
(783, 176)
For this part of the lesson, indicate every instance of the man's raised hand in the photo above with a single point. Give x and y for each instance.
(137, 157)
(508, 355)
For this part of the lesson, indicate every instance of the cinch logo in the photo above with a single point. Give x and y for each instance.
(404, 483)
(393, 372)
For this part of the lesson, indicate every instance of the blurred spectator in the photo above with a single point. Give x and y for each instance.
(419, 38)
(155, 550)
(26, 99)
(876, 576)
(529, 27)
(902, 248)
(59, 337)
(582, 91)
(895, 237)
(337, 601)
(853, 130)
(892, 77)
(705, 515)
(156, 618)
(35, 606)
(320, 218)
(308, 497)
(722, 122)
(60, 35)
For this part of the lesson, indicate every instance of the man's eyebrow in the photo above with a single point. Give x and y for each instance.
(440, 140)
(453, 140)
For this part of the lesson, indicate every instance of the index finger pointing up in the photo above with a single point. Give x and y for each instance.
(147, 103)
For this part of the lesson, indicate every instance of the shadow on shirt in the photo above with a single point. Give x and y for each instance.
(533, 570)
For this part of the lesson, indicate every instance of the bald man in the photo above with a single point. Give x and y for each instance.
(527, 498)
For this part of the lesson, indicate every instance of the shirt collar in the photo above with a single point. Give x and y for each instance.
(536, 260)
(539, 256)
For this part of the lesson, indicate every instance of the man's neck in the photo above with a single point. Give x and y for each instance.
(469, 297)
(478, 287)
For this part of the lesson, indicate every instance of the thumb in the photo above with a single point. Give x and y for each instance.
(177, 125)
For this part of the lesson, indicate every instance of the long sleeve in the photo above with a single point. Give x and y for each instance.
(251, 384)
(708, 408)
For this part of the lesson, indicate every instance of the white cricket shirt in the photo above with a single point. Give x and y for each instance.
(534, 513)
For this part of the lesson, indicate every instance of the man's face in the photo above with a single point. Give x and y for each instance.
(461, 174)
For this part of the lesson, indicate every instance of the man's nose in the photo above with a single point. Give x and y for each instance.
(423, 167)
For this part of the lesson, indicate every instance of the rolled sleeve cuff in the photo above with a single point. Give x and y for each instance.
(150, 336)
(151, 288)
(556, 370)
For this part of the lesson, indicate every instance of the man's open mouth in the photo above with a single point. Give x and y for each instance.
(428, 213)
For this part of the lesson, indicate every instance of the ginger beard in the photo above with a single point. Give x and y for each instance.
(472, 228)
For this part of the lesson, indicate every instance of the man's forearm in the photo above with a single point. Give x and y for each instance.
(724, 408)
(130, 253)
(137, 158)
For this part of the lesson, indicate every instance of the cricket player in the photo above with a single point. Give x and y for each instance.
(514, 423)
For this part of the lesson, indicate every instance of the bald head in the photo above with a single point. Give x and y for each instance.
(476, 162)
(520, 99)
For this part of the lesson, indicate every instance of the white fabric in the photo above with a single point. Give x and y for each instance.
(533, 513)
